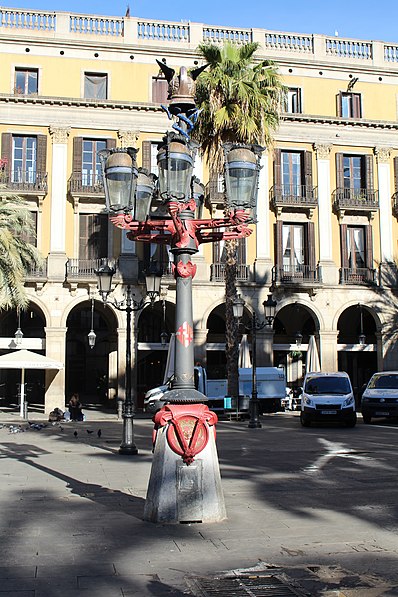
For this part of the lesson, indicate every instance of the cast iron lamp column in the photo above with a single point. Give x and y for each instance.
(269, 309)
(129, 305)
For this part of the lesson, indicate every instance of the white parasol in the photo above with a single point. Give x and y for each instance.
(313, 362)
(244, 353)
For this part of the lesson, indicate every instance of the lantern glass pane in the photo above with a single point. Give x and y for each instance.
(177, 179)
(120, 182)
(242, 179)
(143, 202)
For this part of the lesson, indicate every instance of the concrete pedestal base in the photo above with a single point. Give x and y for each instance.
(181, 493)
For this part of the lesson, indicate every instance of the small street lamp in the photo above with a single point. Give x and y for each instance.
(92, 335)
(128, 305)
(269, 310)
(299, 340)
(18, 336)
(361, 337)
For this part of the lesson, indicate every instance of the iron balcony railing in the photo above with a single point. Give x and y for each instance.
(24, 181)
(166, 268)
(294, 195)
(296, 274)
(217, 272)
(85, 268)
(359, 275)
(37, 272)
(359, 199)
(90, 184)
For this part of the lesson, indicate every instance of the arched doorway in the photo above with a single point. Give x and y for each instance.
(87, 369)
(294, 324)
(356, 356)
(151, 354)
(32, 324)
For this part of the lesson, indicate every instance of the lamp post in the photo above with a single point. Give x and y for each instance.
(128, 305)
(92, 336)
(269, 310)
(18, 336)
(361, 337)
(168, 212)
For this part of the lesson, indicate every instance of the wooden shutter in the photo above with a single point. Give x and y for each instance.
(77, 154)
(311, 247)
(356, 105)
(343, 245)
(396, 173)
(6, 149)
(277, 168)
(308, 172)
(110, 143)
(369, 247)
(241, 251)
(369, 181)
(93, 238)
(279, 243)
(339, 170)
(146, 155)
(160, 90)
(41, 159)
(339, 102)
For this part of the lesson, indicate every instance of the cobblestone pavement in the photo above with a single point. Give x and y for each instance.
(315, 509)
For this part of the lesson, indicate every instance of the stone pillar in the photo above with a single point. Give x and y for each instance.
(328, 350)
(388, 268)
(328, 267)
(57, 256)
(265, 341)
(263, 262)
(55, 380)
(200, 338)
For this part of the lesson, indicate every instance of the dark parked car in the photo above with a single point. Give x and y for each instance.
(380, 399)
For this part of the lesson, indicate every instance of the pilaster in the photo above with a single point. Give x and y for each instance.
(384, 184)
(59, 137)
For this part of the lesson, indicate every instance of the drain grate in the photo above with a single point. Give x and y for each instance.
(242, 586)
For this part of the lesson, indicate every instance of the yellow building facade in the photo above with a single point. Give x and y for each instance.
(325, 243)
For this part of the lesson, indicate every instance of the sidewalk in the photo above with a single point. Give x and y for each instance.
(72, 509)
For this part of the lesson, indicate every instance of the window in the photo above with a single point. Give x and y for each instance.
(356, 254)
(353, 172)
(95, 86)
(356, 247)
(293, 101)
(91, 168)
(24, 152)
(93, 241)
(354, 177)
(31, 236)
(160, 90)
(26, 81)
(292, 176)
(293, 247)
(291, 164)
(349, 105)
(295, 251)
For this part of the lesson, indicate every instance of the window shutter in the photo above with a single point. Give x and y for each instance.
(241, 251)
(369, 247)
(396, 173)
(339, 103)
(110, 143)
(160, 90)
(369, 172)
(277, 168)
(146, 155)
(278, 243)
(41, 159)
(356, 105)
(339, 170)
(77, 154)
(6, 149)
(311, 247)
(308, 172)
(343, 245)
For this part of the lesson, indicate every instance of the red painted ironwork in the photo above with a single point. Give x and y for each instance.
(188, 428)
(184, 270)
(184, 334)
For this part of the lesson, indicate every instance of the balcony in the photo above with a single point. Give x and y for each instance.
(27, 183)
(293, 197)
(214, 195)
(296, 275)
(355, 200)
(362, 276)
(84, 269)
(217, 272)
(165, 266)
(86, 185)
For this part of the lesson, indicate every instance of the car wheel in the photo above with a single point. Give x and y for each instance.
(304, 420)
(366, 419)
(351, 422)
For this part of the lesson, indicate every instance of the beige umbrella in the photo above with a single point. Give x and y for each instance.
(25, 359)
(313, 362)
(244, 353)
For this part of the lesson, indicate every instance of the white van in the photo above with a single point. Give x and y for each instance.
(327, 397)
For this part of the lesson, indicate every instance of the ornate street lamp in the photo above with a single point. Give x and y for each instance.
(18, 336)
(242, 167)
(269, 310)
(92, 335)
(128, 305)
(298, 339)
(361, 337)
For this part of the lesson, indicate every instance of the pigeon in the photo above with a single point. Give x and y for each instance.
(61, 428)
(89, 430)
(75, 433)
(99, 432)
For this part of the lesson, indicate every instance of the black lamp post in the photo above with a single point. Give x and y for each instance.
(269, 310)
(361, 337)
(128, 305)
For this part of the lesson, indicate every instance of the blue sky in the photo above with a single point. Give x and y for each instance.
(360, 19)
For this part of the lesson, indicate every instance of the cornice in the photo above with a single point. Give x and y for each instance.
(78, 103)
(343, 122)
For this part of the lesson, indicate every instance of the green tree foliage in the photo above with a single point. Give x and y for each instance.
(17, 256)
(240, 98)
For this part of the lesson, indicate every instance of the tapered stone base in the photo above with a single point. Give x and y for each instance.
(181, 493)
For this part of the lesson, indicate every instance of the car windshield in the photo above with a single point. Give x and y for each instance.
(327, 385)
(384, 382)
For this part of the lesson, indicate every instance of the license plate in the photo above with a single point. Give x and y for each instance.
(328, 412)
(381, 413)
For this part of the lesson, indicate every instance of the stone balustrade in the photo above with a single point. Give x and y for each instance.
(133, 30)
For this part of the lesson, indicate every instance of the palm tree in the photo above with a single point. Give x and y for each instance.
(17, 255)
(241, 100)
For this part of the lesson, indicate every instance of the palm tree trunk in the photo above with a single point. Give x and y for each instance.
(231, 326)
